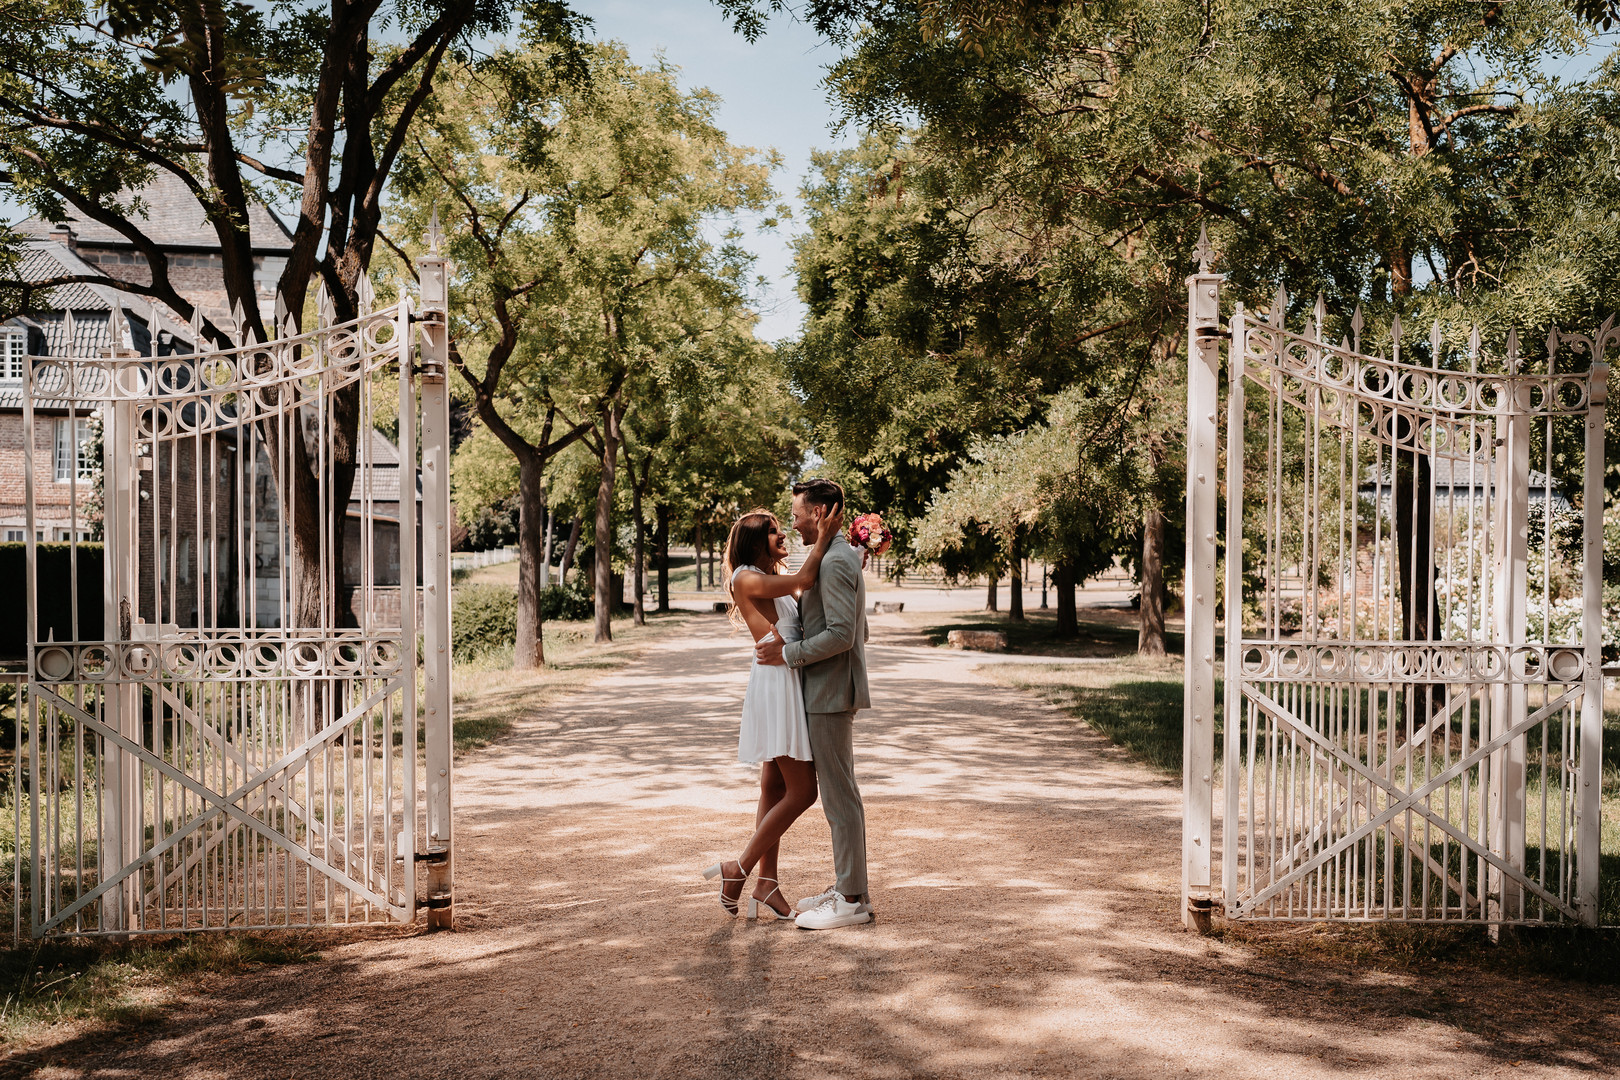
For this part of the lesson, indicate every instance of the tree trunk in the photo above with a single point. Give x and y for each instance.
(661, 542)
(529, 647)
(1015, 595)
(995, 580)
(697, 553)
(568, 551)
(640, 587)
(1063, 581)
(605, 600)
(551, 523)
(1150, 613)
(711, 565)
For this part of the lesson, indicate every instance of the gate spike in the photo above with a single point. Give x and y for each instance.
(1312, 328)
(70, 334)
(1436, 341)
(154, 325)
(1321, 316)
(198, 343)
(434, 236)
(1279, 307)
(1513, 351)
(363, 294)
(325, 314)
(1473, 348)
(1201, 251)
(1356, 323)
(1395, 338)
(281, 308)
(289, 329)
(1552, 347)
(117, 326)
(239, 317)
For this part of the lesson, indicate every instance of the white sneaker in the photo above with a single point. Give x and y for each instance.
(810, 903)
(834, 913)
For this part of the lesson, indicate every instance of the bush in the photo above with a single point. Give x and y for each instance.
(570, 601)
(495, 526)
(483, 617)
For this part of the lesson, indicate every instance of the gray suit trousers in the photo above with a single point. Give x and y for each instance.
(832, 740)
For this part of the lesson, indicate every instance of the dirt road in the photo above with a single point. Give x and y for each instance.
(1024, 874)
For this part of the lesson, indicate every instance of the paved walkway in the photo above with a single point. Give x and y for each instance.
(1024, 873)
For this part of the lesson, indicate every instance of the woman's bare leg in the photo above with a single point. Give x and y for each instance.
(772, 788)
(798, 795)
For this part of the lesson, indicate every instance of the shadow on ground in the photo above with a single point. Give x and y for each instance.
(1024, 872)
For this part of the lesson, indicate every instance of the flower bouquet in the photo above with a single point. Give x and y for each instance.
(868, 533)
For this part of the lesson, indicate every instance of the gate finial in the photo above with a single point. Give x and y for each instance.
(364, 294)
(1436, 342)
(1552, 346)
(1395, 338)
(1201, 251)
(1279, 307)
(239, 333)
(71, 335)
(1357, 321)
(281, 311)
(1513, 351)
(117, 328)
(1321, 317)
(1473, 348)
(325, 313)
(434, 236)
(198, 343)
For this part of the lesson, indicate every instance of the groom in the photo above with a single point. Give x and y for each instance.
(832, 657)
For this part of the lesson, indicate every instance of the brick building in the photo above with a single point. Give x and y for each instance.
(189, 578)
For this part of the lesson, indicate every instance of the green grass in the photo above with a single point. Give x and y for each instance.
(1100, 634)
(121, 986)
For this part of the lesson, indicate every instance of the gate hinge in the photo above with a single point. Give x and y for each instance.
(435, 900)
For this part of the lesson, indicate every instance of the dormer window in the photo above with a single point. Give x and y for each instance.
(13, 350)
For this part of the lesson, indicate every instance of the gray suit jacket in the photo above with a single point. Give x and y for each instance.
(833, 652)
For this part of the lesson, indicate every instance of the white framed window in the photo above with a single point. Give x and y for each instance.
(72, 449)
(13, 349)
(15, 536)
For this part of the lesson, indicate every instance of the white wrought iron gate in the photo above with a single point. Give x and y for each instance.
(1412, 711)
(242, 719)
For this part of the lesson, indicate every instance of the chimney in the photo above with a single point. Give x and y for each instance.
(62, 233)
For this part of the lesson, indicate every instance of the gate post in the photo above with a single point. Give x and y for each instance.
(1198, 591)
(1508, 765)
(1588, 801)
(435, 528)
(121, 699)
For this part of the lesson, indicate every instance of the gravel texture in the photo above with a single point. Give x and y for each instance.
(1024, 873)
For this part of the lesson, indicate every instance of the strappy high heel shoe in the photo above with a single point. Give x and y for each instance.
(718, 870)
(756, 906)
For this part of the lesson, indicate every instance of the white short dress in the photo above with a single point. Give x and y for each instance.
(773, 718)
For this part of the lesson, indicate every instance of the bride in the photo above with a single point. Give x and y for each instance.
(774, 731)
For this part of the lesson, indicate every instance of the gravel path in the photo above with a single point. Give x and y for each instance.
(1024, 873)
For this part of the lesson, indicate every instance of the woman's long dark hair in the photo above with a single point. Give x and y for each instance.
(749, 544)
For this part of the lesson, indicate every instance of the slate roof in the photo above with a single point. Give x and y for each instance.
(384, 473)
(173, 219)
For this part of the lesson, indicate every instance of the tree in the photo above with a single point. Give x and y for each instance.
(582, 213)
(92, 108)
(1332, 150)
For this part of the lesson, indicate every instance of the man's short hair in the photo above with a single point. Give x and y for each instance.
(823, 493)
